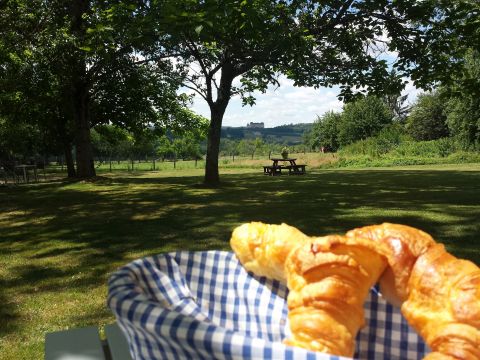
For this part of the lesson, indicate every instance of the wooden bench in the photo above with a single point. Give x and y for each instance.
(296, 169)
(272, 170)
(85, 344)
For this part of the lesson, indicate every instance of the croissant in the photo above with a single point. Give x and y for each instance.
(443, 304)
(405, 244)
(263, 248)
(329, 279)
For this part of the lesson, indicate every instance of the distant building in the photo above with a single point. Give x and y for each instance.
(259, 125)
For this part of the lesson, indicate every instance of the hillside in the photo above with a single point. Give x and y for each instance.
(290, 134)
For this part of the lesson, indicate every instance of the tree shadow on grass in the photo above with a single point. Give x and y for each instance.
(9, 315)
(84, 232)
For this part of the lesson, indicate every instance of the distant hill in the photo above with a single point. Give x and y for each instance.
(290, 134)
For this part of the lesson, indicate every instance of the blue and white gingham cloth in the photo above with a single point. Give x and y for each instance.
(204, 305)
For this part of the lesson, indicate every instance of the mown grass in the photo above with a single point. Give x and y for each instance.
(61, 240)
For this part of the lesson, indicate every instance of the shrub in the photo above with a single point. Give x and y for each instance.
(427, 121)
(434, 148)
(324, 133)
(386, 141)
(363, 119)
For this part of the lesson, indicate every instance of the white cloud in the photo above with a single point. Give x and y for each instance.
(278, 106)
(285, 105)
(412, 92)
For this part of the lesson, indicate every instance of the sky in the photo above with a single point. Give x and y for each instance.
(284, 105)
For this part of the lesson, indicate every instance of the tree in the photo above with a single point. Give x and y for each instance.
(463, 106)
(314, 43)
(324, 133)
(396, 105)
(362, 119)
(90, 73)
(164, 147)
(427, 120)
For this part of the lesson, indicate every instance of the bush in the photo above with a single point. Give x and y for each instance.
(386, 141)
(324, 133)
(434, 148)
(427, 121)
(363, 119)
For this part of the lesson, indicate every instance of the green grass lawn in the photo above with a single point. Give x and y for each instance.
(60, 241)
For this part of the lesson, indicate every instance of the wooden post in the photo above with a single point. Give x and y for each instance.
(154, 163)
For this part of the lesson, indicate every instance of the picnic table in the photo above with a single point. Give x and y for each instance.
(276, 169)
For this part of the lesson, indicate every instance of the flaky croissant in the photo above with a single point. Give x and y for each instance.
(329, 279)
(443, 304)
(439, 294)
(263, 248)
(405, 244)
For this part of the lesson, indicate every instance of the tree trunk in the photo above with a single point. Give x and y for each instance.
(66, 141)
(67, 150)
(84, 152)
(217, 110)
(80, 93)
(212, 176)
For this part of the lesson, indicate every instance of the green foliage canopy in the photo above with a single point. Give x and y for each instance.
(362, 119)
(463, 108)
(324, 133)
(427, 121)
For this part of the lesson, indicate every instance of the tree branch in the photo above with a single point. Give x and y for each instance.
(208, 77)
(196, 90)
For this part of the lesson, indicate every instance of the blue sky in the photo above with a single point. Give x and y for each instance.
(284, 105)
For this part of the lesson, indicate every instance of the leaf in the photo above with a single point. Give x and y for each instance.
(198, 29)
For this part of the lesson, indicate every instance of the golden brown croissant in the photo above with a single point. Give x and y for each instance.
(263, 248)
(443, 304)
(329, 279)
(405, 244)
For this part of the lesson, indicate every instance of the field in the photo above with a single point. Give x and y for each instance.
(61, 240)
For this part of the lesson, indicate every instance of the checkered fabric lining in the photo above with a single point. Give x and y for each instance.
(204, 305)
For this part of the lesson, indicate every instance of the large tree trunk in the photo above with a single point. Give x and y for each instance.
(217, 110)
(212, 176)
(83, 145)
(65, 138)
(67, 150)
(80, 93)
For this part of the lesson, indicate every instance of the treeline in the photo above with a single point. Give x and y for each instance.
(257, 147)
(111, 143)
(447, 119)
(290, 134)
